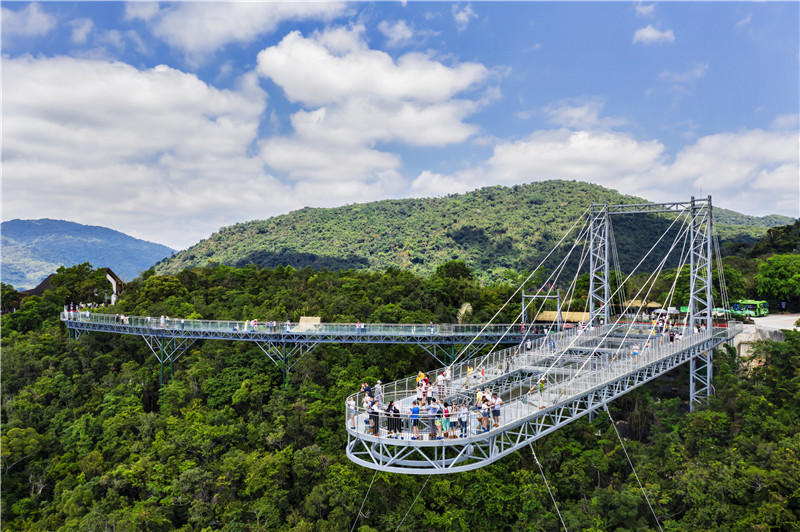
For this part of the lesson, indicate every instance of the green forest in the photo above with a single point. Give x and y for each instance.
(491, 229)
(90, 442)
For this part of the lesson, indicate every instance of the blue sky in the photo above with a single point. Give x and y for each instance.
(169, 120)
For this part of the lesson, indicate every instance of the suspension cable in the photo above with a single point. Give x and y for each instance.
(466, 348)
(412, 504)
(365, 500)
(605, 405)
(661, 265)
(548, 487)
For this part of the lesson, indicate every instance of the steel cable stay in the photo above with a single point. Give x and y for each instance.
(541, 470)
(559, 269)
(572, 287)
(464, 350)
(660, 267)
(365, 500)
(412, 504)
(646, 498)
(556, 272)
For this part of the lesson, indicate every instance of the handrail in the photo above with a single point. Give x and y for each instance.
(559, 387)
(286, 327)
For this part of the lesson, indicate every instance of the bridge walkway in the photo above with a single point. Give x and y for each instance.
(574, 386)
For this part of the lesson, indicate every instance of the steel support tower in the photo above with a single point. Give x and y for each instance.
(700, 279)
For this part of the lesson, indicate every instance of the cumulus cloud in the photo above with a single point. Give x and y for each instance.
(336, 65)
(580, 114)
(644, 10)
(651, 35)
(80, 29)
(199, 29)
(753, 171)
(30, 21)
(463, 15)
(141, 10)
(151, 147)
(355, 97)
(397, 34)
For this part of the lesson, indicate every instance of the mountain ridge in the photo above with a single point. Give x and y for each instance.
(33, 249)
(491, 229)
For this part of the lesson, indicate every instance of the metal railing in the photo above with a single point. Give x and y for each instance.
(524, 398)
(287, 327)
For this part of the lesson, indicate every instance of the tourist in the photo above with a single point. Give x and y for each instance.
(379, 392)
(485, 413)
(444, 413)
(496, 402)
(351, 410)
(414, 415)
(433, 411)
(366, 389)
(374, 421)
(635, 349)
(420, 392)
(541, 393)
(448, 376)
(463, 416)
(391, 420)
(440, 384)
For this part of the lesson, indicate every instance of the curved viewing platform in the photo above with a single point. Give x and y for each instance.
(297, 332)
(582, 371)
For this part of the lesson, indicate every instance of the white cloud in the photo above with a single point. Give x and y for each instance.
(28, 22)
(201, 28)
(744, 22)
(153, 148)
(788, 122)
(397, 34)
(697, 71)
(462, 16)
(141, 10)
(354, 98)
(80, 29)
(644, 10)
(752, 171)
(580, 114)
(312, 71)
(650, 35)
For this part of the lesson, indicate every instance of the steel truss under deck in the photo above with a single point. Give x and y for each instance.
(601, 352)
(425, 457)
(285, 347)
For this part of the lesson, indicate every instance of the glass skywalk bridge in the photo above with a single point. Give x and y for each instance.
(284, 343)
(578, 380)
(295, 332)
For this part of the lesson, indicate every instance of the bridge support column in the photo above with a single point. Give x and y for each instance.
(167, 349)
(598, 264)
(701, 299)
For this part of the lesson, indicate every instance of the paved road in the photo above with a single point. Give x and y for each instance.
(777, 321)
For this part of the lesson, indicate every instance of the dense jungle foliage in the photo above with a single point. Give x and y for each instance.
(491, 230)
(90, 443)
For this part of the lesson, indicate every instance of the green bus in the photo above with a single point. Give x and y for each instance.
(749, 308)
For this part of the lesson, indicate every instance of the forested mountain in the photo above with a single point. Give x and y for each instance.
(490, 229)
(90, 443)
(33, 249)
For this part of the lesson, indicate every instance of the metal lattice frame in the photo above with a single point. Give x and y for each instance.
(700, 279)
(167, 349)
(701, 300)
(598, 264)
(425, 457)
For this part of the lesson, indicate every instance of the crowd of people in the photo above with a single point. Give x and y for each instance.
(430, 408)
